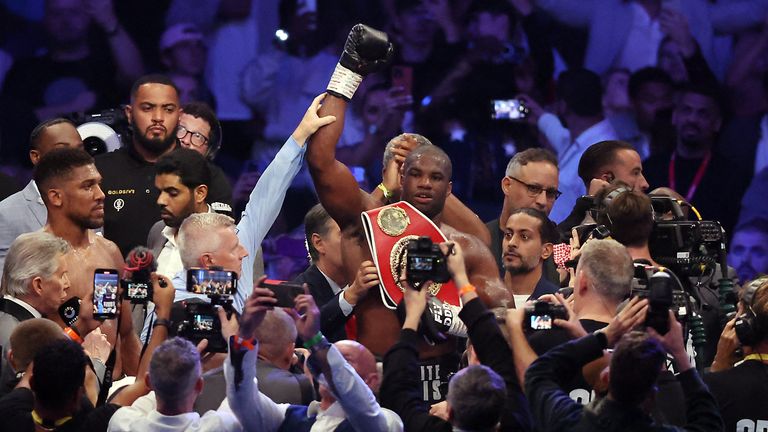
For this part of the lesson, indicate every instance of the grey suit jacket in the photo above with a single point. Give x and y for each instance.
(156, 240)
(20, 213)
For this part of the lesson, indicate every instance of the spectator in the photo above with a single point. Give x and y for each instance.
(635, 44)
(346, 386)
(528, 239)
(26, 340)
(738, 390)
(184, 54)
(479, 397)
(616, 92)
(635, 365)
(579, 105)
(528, 174)
(648, 126)
(278, 84)
(706, 179)
(325, 276)
(25, 211)
(74, 75)
(748, 252)
(202, 132)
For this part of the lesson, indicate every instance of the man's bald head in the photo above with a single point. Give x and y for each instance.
(362, 361)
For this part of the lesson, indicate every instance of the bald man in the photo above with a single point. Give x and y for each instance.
(24, 211)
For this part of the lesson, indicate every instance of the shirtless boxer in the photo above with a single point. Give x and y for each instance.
(425, 183)
(69, 185)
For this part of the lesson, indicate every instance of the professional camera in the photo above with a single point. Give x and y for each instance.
(541, 314)
(689, 248)
(426, 262)
(200, 318)
(102, 132)
(664, 293)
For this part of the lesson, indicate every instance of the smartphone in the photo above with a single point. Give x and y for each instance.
(508, 109)
(285, 292)
(105, 283)
(211, 282)
(402, 78)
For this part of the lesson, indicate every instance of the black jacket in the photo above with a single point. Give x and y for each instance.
(401, 392)
(332, 319)
(554, 410)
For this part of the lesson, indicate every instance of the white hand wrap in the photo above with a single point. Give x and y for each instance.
(344, 81)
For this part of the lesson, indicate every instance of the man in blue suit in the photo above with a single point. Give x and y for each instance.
(24, 211)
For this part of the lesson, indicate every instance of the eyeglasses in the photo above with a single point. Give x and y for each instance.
(535, 190)
(197, 140)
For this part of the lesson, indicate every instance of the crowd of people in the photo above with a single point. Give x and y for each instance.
(342, 179)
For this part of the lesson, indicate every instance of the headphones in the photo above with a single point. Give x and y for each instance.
(748, 330)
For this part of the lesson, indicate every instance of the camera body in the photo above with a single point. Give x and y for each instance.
(663, 294)
(202, 322)
(426, 262)
(689, 248)
(541, 314)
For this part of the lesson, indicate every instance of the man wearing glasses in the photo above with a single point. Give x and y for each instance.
(531, 181)
(199, 130)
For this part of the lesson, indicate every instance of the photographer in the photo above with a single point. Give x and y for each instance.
(740, 390)
(474, 400)
(346, 373)
(603, 280)
(629, 216)
(637, 360)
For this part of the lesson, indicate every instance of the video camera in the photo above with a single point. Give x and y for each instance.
(664, 293)
(690, 248)
(201, 321)
(102, 132)
(541, 314)
(426, 262)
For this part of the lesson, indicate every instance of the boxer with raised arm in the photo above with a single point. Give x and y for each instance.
(425, 183)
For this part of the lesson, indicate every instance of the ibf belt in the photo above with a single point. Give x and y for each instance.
(388, 230)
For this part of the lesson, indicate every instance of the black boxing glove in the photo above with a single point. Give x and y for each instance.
(366, 50)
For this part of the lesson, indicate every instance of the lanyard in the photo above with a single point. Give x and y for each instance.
(696, 179)
(759, 357)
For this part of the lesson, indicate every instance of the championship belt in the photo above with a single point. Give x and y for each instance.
(388, 230)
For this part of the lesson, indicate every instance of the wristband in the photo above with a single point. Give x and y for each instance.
(314, 340)
(162, 322)
(72, 333)
(239, 342)
(387, 193)
(466, 289)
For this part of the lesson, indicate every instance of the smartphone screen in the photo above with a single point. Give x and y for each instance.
(105, 283)
(541, 322)
(508, 109)
(138, 291)
(211, 282)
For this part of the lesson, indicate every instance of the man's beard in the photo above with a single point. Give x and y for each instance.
(153, 146)
(88, 223)
(520, 269)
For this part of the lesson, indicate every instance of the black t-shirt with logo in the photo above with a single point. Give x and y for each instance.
(741, 395)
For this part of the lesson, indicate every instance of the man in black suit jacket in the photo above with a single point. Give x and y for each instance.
(325, 277)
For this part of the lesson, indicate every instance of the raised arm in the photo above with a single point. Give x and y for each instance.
(267, 197)
(365, 51)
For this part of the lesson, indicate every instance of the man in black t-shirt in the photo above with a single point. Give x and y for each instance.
(603, 279)
(705, 179)
(740, 391)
